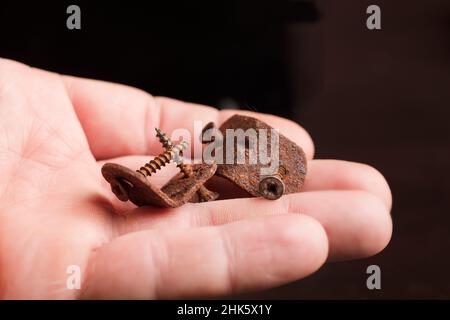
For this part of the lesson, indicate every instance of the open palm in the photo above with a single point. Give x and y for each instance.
(57, 211)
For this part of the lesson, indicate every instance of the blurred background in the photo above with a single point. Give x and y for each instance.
(380, 97)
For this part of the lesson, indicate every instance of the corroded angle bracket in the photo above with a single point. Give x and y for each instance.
(286, 175)
(130, 185)
(290, 172)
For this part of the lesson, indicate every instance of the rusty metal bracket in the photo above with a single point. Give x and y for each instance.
(130, 185)
(291, 166)
(186, 186)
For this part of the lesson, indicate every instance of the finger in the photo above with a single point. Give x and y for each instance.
(112, 112)
(346, 216)
(214, 261)
(324, 175)
(346, 175)
(357, 223)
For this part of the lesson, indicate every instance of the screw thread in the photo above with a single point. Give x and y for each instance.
(165, 141)
(282, 172)
(160, 161)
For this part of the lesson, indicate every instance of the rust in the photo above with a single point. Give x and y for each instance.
(186, 186)
(292, 165)
(209, 133)
(203, 193)
(272, 187)
(165, 141)
(160, 161)
(130, 185)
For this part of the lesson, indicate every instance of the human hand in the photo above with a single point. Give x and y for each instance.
(56, 210)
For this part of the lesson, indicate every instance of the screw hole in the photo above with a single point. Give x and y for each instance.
(272, 188)
(247, 143)
(120, 189)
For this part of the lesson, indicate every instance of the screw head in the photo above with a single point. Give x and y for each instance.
(271, 187)
(215, 133)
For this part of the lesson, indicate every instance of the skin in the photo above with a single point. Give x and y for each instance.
(56, 210)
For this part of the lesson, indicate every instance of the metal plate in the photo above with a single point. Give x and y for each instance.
(131, 185)
(248, 176)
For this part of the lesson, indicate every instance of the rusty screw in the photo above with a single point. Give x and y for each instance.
(174, 153)
(272, 187)
(119, 187)
(165, 141)
(203, 193)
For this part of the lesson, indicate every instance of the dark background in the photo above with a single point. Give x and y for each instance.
(380, 97)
